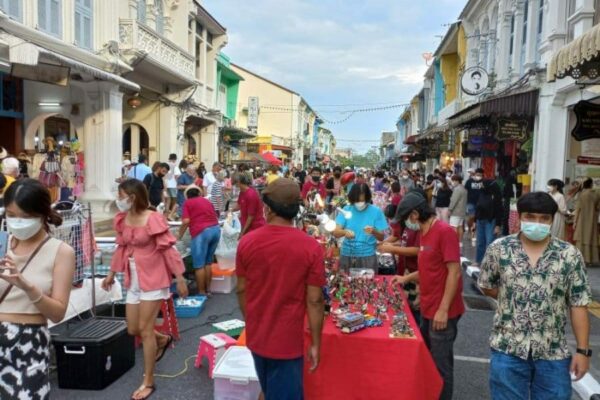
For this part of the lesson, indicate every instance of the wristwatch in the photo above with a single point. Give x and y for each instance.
(585, 352)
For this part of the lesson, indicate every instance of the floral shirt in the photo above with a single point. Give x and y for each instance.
(534, 301)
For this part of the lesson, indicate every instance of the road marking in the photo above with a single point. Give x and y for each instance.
(473, 359)
(594, 309)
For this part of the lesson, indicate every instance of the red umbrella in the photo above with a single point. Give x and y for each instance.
(271, 159)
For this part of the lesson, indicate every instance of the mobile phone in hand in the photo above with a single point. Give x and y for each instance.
(3, 243)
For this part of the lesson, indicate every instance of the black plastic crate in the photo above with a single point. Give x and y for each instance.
(93, 354)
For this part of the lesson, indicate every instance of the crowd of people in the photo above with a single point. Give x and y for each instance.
(419, 219)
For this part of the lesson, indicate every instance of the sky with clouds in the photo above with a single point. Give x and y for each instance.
(339, 54)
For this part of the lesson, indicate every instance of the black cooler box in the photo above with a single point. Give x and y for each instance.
(93, 354)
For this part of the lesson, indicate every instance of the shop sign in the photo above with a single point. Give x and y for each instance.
(252, 112)
(512, 129)
(474, 81)
(588, 160)
(588, 121)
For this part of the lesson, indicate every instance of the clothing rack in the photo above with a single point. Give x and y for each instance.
(77, 230)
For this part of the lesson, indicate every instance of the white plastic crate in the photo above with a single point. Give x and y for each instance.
(235, 376)
(223, 283)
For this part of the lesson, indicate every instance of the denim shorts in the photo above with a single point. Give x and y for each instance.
(204, 245)
(470, 209)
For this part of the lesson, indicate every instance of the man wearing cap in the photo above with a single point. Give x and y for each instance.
(278, 283)
(250, 205)
(440, 281)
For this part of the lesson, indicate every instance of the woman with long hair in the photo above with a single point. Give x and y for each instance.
(34, 287)
(146, 255)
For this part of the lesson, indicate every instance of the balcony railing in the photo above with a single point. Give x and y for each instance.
(136, 36)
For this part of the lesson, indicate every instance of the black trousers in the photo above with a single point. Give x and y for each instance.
(441, 347)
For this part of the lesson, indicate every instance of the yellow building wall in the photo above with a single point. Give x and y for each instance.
(452, 66)
(276, 121)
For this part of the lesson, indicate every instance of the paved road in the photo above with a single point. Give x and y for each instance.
(471, 351)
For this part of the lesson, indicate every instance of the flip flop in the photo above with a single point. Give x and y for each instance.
(163, 349)
(144, 387)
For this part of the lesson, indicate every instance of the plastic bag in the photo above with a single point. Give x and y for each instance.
(227, 248)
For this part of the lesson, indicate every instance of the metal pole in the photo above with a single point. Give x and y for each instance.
(92, 256)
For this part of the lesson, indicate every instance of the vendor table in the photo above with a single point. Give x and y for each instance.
(368, 364)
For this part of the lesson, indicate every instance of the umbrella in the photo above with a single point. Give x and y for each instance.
(271, 158)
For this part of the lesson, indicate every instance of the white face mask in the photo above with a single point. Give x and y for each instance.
(550, 188)
(361, 205)
(123, 205)
(23, 228)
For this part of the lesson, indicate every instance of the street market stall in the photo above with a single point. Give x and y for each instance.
(371, 364)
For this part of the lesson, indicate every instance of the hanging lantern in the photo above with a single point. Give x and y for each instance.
(134, 102)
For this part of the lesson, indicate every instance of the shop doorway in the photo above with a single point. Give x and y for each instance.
(11, 114)
(135, 141)
(58, 128)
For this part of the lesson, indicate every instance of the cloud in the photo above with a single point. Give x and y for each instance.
(338, 51)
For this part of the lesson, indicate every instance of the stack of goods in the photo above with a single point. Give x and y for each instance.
(400, 327)
(351, 322)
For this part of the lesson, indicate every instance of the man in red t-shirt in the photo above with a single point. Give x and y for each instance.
(250, 205)
(278, 284)
(440, 279)
(314, 184)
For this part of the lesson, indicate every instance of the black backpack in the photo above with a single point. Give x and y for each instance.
(390, 211)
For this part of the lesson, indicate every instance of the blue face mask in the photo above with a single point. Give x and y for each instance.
(535, 231)
(413, 226)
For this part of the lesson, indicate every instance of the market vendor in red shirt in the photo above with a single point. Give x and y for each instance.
(440, 279)
(314, 184)
(280, 274)
(250, 205)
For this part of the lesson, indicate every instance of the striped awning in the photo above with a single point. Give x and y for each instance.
(568, 60)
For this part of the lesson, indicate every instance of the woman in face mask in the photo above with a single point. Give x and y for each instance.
(35, 283)
(146, 255)
(555, 189)
(362, 225)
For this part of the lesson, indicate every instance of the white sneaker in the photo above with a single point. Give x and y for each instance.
(473, 242)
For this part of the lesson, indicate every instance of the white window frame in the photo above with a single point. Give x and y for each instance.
(7, 7)
(81, 13)
(160, 16)
(523, 50)
(45, 26)
(511, 43)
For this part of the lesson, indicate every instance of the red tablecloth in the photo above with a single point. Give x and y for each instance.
(370, 365)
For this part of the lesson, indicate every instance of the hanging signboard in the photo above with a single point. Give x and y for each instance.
(588, 121)
(512, 129)
(474, 81)
(252, 112)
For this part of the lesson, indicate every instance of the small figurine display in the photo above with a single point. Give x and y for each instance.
(400, 327)
(351, 322)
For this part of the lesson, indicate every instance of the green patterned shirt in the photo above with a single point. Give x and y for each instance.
(534, 302)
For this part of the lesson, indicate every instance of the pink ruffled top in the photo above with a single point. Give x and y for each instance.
(151, 247)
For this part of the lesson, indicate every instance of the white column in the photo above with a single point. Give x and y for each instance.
(502, 66)
(102, 135)
(518, 40)
(209, 142)
(550, 142)
(532, 29)
(492, 40)
(168, 133)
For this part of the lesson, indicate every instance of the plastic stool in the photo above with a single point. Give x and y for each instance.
(213, 347)
(169, 325)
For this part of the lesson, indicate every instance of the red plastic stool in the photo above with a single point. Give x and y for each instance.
(213, 346)
(169, 325)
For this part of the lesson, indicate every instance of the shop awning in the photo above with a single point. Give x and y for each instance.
(281, 147)
(236, 134)
(271, 159)
(28, 53)
(433, 132)
(568, 60)
(412, 139)
(521, 104)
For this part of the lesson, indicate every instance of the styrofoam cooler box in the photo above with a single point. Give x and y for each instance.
(225, 262)
(223, 281)
(235, 376)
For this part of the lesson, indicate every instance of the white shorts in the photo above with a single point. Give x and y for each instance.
(135, 294)
(456, 221)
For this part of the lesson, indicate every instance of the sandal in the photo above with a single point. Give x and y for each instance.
(142, 388)
(163, 350)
